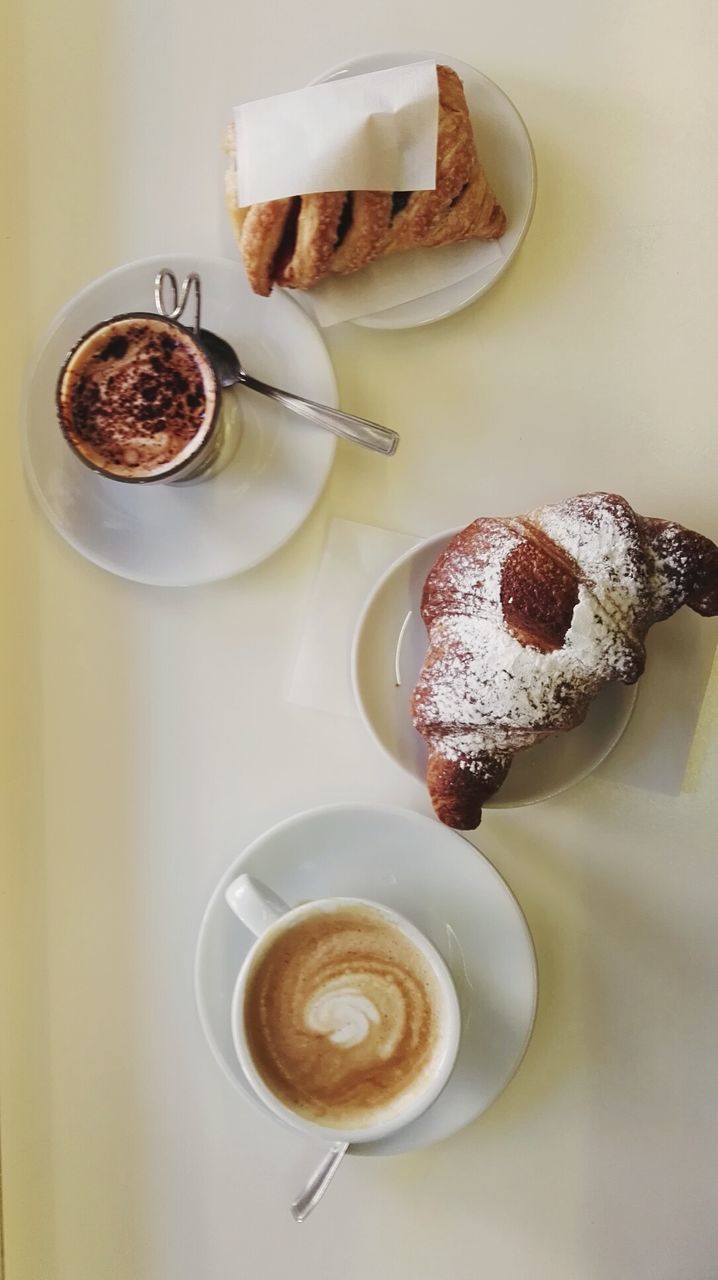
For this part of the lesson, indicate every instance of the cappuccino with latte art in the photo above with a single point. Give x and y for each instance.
(343, 1017)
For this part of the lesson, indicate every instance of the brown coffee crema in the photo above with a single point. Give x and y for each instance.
(342, 1017)
(135, 395)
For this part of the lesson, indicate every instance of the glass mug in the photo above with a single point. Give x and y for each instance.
(139, 400)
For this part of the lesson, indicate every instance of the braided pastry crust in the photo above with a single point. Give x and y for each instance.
(297, 242)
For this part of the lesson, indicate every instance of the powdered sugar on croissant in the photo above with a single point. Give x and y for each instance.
(528, 619)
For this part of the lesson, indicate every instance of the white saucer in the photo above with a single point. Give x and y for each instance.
(436, 879)
(384, 641)
(505, 149)
(171, 535)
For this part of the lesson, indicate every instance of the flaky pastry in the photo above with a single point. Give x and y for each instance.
(528, 619)
(297, 242)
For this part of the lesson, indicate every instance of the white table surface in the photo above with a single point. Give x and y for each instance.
(147, 733)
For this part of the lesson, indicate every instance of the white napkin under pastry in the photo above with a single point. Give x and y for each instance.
(400, 277)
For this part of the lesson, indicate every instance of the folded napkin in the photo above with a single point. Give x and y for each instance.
(653, 753)
(355, 556)
(388, 282)
(375, 132)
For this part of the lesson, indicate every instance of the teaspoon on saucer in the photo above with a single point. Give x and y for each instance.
(309, 1198)
(230, 373)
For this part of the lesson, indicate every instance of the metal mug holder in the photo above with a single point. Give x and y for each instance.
(180, 297)
(171, 302)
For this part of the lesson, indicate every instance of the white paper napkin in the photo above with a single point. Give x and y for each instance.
(354, 558)
(653, 752)
(376, 132)
(399, 278)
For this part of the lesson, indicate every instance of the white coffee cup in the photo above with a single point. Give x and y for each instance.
(267, 916)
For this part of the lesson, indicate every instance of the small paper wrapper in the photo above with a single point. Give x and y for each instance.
(375, 132)
(653, 752)
(355, 556)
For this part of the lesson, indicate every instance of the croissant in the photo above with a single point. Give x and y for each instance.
(528, 619)
(297, 242)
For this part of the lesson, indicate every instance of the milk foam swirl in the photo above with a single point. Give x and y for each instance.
(348, 1016)
(342, 1016)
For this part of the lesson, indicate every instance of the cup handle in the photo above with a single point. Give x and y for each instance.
(254, 903)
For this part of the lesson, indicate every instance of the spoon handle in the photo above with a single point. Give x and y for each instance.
(368, 434)
(319, 1181)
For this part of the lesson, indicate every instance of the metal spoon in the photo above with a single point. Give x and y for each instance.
(309, 1198)
(230, 371)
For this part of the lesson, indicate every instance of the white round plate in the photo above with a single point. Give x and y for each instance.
(180, 535)
(443, 885)
(504, 148)
(386, 644)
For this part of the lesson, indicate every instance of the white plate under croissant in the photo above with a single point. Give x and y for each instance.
(529, 621)
(391, 637)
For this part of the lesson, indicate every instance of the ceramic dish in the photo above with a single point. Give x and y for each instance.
(439, 882)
